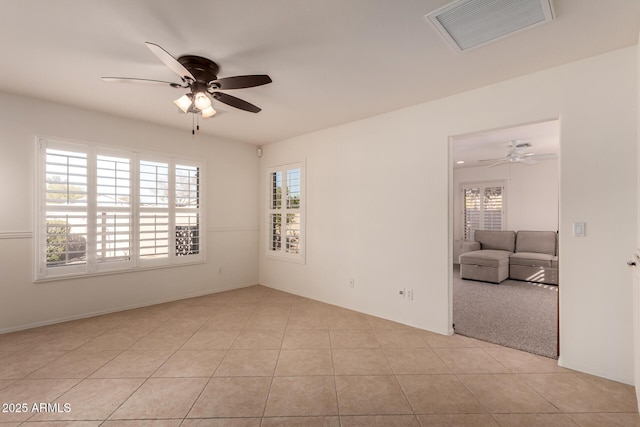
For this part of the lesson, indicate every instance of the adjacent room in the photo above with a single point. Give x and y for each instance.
(507, 180)
(249, 213)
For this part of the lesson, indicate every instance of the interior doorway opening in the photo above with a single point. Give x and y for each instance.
(506, 179)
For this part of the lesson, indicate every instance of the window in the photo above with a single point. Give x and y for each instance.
(483, 207)
(104, 210)
(285, 217)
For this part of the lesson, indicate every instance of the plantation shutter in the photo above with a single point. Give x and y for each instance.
(154, 210)
(113, 212)
(492, 208)
(187, 210)
(483, 208)
(65, 202)
(286, 212)
(471, 212)
(292, 243)
(103, 209)
(275, 216)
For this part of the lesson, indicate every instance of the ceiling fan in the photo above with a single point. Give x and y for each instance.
(200, 76)
(516, 153)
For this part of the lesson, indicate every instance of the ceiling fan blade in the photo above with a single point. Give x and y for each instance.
(143, 81)
(527, 161)
(498, 163)
(170, 61)
(235, 102)
(241, 82)
(491, 160)
(519, 143)
(545, 156)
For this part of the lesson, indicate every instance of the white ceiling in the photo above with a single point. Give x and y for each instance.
(331, 61)
(544, 138)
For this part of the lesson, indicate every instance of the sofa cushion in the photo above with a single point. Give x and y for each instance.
(487, 258)
(544, 242)
(533, 274)
(531, 259)
(504, 240)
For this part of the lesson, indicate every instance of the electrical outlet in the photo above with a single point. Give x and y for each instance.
(352, 282)
(402, 293)
(409, 295)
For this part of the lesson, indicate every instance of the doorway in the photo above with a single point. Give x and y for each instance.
(506, 179)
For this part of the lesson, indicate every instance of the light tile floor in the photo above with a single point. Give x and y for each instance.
(259, 357)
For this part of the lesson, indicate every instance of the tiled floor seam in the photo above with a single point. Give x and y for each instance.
(186, 416)
(396, 376)
(333, 368)
(123, 401)
(212, 374)
(273, 375)
(458, 375)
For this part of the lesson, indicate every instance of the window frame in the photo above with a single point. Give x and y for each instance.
(284, 210)
(91, 265)
(481, 186)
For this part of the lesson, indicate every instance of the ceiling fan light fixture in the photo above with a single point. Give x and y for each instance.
(183, 103)
(202, 101)
(208, 112)
(200, 76)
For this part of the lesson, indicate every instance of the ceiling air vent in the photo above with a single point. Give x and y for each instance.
(467, 24)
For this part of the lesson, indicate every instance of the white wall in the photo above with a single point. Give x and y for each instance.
(531, 195)
(378, 205)
(232, 228)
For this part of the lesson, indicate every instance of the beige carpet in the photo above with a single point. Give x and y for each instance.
(516, 314)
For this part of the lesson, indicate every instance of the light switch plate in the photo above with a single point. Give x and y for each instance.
(579, 229)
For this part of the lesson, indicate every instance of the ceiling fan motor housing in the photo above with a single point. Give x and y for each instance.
(203, 69)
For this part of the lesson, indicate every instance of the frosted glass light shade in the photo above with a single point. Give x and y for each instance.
(202, 101)
(208, 112)
(183, 103)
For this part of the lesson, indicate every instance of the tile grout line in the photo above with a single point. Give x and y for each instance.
(214, 371)
(520, 380)
(273, 375)
(333, 368)
(156, 370)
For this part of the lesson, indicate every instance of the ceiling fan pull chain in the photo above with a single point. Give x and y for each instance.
(193, 125)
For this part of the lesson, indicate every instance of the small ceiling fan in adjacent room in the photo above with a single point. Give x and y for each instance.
(200, 76)
(516, 153)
